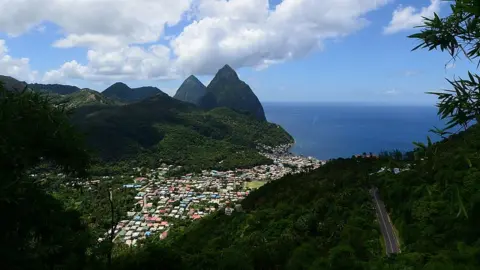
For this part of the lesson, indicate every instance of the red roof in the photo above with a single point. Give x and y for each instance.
(164, 235)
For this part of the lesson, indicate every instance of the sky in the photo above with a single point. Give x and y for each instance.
(287, 51)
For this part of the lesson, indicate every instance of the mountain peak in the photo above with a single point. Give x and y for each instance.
(191, 90)
(229, 91)
(119, 84)
(192, 78)
(227, 72)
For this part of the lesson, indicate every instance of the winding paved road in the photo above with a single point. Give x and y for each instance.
(386, 227)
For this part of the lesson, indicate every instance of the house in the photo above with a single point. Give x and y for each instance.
(228, 211)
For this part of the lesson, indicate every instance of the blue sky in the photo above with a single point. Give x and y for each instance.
(303, 50)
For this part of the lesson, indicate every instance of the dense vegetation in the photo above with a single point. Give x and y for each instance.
(320, 220)
(161, 128)
(175, 132)
(84, 97)
(323, 220)
(12, 84)
(38, 232)
(435, 205)
(60, 89)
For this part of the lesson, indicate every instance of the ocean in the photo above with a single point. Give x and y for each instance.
(333, 130)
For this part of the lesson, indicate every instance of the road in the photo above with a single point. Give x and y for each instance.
(386, 227)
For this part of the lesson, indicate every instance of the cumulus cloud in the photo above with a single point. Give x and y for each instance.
(18, 68)
(119, 34)
(91, 22)
(126, 63)
(250, 33)
(405, 18)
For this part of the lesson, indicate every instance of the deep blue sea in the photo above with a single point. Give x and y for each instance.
(331, 130)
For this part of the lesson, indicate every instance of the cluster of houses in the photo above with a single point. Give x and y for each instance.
(162, 201)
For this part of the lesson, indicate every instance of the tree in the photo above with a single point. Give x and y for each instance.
(458, 34)
(39, 231)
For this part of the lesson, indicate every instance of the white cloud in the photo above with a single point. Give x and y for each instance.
(88, 40)
(242, 33)
(405, 18)
(126, 63)
(18, 68)
(249, 33)
(90, 22)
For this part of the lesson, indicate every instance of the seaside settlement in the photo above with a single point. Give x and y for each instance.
(161, 200)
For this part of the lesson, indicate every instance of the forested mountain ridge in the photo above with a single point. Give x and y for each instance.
(177, 132)
(12, 84)
(123, 93)
(60, 89)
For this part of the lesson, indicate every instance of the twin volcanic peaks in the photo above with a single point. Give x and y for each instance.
(225, 90)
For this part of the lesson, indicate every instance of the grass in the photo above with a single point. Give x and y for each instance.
(255, 184)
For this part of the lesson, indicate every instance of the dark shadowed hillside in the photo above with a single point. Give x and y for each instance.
(231, 92)
(164, 128)
(191, 90)
(12, 84)
(121, 92)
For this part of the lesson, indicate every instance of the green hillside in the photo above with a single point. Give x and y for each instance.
(11, 83)
(325, 219)
(83, 97)
(60, 89)
(163, 128)
(320, 220)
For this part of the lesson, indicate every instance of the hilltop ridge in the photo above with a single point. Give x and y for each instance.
(122, 92)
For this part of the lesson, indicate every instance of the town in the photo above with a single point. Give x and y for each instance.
(161, 200)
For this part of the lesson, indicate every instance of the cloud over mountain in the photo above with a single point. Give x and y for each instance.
(126, 39)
